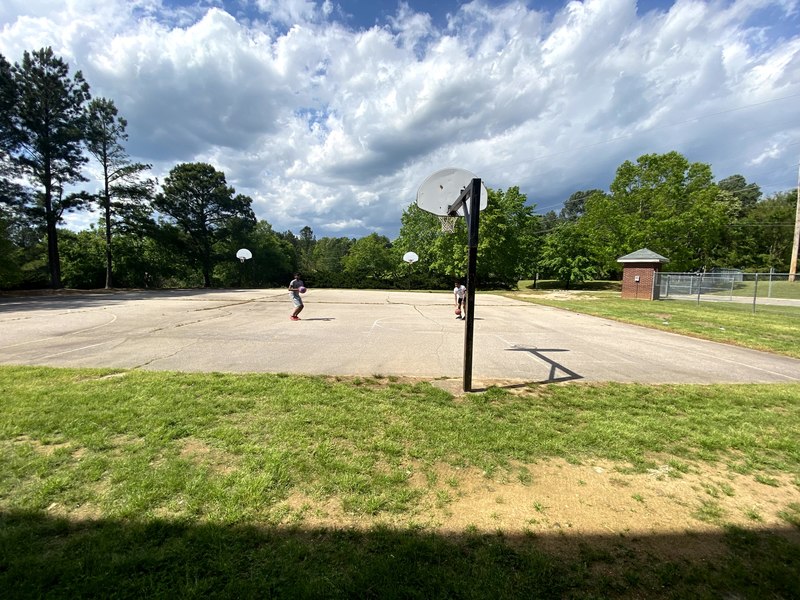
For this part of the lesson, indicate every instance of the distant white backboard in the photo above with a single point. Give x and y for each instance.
(244, 254)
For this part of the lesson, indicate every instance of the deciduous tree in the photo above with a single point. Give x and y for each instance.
(509, 238)
(419, 231)
(196, 197)
(661, 202)
(575, 205)
(746, 195)
(767, 231)
(567, 254)
(370, 256)
(329, 253)
(307, 241)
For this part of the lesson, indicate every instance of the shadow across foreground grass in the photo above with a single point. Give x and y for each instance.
(44, 556)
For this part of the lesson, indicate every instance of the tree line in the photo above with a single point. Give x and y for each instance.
(185, 231)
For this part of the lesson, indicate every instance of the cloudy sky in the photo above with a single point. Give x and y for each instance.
(332, 113)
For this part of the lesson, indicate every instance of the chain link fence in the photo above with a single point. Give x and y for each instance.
(755, 292)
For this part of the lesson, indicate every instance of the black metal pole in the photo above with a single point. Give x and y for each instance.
(473, 213)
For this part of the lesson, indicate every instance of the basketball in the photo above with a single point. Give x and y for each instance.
(302, 290)
(458, 312)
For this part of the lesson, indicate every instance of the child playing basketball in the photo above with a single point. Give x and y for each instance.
(294, 290)
(460, 294)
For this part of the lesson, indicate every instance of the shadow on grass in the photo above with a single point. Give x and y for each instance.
(42, 556)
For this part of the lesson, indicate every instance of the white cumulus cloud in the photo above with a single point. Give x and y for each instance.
(335, 127)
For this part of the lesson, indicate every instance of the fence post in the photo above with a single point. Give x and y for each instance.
(769, 289)
(755, 294)
(699, 288)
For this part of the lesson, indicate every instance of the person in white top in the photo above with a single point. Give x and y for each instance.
(294, 292)
(460, 294)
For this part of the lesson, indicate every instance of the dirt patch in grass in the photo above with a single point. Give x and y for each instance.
(602, 499)
(301, 508)
(556, 502)
(40, 447)
(201, 453)
(78, 512)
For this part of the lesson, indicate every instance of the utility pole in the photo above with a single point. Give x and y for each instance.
(796, 243)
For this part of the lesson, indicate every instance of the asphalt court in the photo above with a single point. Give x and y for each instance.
(357, 332)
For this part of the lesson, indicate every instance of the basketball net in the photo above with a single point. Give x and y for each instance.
(448, 223)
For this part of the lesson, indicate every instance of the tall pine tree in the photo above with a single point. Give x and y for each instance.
(48, 122)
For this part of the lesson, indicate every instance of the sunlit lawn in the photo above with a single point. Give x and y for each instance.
(773, 329)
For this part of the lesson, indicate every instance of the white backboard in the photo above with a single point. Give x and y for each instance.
(443, 188)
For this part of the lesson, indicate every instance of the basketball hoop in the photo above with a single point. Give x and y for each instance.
(448, 223)
(443, 195)
(449, 194)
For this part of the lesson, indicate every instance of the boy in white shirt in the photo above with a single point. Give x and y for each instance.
(294, 292)
(460, 294)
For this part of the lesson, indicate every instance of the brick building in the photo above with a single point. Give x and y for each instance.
(639, 274)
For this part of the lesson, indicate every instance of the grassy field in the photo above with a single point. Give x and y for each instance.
(765, 289)
(766, 330)
(151, 484)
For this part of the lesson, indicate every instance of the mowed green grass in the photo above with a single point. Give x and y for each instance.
(152, 484)
(771, 328)
(766, 289)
